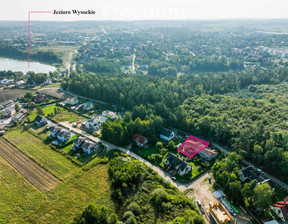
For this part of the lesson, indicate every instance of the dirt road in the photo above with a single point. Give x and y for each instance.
(30, 170)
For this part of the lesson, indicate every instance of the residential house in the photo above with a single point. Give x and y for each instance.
(63, 135)
(88, 147)
(175, 163)
(95, 123)
(48, 81)
(88, 106)
(18, 117)
(78, 142)
(19, 83)
(6, 81)
(39, 98)
(72, 101)
(40, 121)
(167, 134)
(54, 131)
(8, 104)
(110, 114)
(140, 140)
(8, 112)
(208, 154)
(281, 209)
(249, 173)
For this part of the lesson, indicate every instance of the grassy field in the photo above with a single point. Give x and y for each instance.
(20, 202)
(63, 115)
(41, 153)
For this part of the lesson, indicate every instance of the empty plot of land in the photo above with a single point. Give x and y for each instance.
(30, 170)
(55, 92)
(192, 146)
(10, 94)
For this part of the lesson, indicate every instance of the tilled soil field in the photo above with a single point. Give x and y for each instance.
(30, 170)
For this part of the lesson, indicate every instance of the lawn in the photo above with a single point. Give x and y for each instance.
(62, 115)
(83, 158)
(65, 115)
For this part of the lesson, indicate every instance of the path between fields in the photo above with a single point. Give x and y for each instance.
(30, 170)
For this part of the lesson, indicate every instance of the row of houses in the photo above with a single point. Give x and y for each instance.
(95, 123)
(248, 174)
(6, 104)
(8, 112)
(31, 83)
(5, 82)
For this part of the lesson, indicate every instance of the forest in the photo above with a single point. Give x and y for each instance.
(249, 125)
(10, 51)
(250, 194)
(141, 196)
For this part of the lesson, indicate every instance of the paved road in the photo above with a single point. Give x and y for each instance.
(161, 172)
(133, 63)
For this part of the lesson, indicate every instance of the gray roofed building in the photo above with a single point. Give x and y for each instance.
(167, 134)
(88, 146)
(249, 173)
(78, 142)
(40, 121)
(180, 166)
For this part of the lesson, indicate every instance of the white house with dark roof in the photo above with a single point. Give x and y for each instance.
(173, 162)
(53, 130)
(78, 142)
(88, 106)
(72, 101)
(108, 113)
(88, 147)
(63, 135)
(40, 121)
(95, 123)
(167, 134)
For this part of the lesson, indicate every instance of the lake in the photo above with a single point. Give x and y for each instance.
(18, 65)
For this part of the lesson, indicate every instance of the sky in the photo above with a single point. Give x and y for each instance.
(145, 10)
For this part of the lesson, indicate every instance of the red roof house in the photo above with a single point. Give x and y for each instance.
(281, 209)
(140, 140)
(39, 98)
